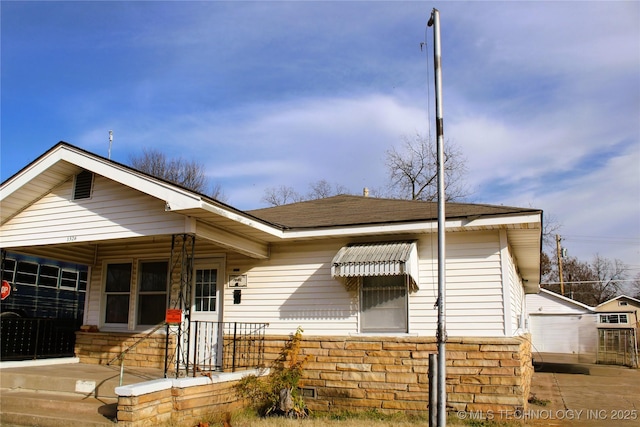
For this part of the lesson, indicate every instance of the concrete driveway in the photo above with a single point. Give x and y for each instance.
(584, 395)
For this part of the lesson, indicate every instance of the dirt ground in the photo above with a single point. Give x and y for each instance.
(563, 395)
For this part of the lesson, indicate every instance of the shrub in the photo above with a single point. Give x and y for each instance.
(278, 393)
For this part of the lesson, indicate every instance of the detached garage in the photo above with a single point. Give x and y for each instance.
(561, 327)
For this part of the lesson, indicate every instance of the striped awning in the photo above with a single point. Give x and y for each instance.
(376, 259)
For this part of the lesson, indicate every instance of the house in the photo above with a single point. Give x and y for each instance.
(618, 326)
(561, 328)
(566, 330)
(357, 274)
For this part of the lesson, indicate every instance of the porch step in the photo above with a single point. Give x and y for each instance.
(55, 409)
(86, 380)
(64, 395)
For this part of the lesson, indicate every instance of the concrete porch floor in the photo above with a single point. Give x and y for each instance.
(72, 376)
(63, 392)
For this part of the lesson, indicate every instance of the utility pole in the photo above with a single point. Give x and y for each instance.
(441, 333)
(559, 256)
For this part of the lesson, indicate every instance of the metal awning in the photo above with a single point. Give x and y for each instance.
(376, 259)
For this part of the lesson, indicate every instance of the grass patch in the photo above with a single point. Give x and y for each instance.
(366, 418)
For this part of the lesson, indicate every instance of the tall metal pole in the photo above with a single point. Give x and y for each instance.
(441, 333)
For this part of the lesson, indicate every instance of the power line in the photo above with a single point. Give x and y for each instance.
(588, 281)
(602, 239)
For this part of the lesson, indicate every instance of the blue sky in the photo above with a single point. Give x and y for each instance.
(543, 98)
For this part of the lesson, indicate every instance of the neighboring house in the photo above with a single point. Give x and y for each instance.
(358, 274)
(561, 327)
(618, 325)
(568, 330)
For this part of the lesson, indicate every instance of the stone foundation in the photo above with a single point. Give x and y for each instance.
(390, 374)
(99, 348)
(179, 402)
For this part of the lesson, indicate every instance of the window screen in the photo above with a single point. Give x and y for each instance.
(383, 304)
(117, 293)
(152, 294)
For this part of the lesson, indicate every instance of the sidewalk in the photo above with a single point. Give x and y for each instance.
(584, 395)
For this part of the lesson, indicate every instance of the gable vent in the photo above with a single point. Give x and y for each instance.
(83, 184)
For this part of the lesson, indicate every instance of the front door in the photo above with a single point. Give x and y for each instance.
(206, 313)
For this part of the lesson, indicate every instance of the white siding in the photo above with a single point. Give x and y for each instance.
(513, 291)
(473, 286)
(112, 212)
(543, 303)
(134, 252)
(294, 288)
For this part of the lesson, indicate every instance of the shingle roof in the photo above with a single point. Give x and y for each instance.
(345, 210)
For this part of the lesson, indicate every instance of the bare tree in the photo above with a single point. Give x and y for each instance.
(590, 283)
(635, 287)
(276, 196)
(323, 189)
(188, 174)
(413, 170)
(610, 275)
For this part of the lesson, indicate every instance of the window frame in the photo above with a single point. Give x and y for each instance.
(18, 273)
(9, 274)
(608, 319)
(364, 329)
(139, 293)
(44, 275)
(211, 299)
(106, 294)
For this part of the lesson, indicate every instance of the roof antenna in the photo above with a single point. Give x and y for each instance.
(110, 142)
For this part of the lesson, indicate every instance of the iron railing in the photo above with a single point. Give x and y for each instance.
(130, 348)
(227, 346)
(25, 339)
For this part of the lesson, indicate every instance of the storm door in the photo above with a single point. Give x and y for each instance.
(206, 314)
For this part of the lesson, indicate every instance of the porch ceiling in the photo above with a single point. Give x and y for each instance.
(87, 253)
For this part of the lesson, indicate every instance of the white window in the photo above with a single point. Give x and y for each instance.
(69, 279)
(383, 304)
(615, 318)
(9, 270)
(622, 303)
(117, 293)
(206, 285)
(152, 292)
(27, 273)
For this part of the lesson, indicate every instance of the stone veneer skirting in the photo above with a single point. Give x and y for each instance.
(99, 348)
(391, 373)
(180, 401)
(386, 373)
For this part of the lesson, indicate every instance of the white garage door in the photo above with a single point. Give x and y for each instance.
(556, 333)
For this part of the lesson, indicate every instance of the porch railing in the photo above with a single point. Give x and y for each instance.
(25, 339)
(228, 346)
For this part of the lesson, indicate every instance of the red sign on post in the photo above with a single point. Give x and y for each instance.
(6, 289)
(174, 316)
